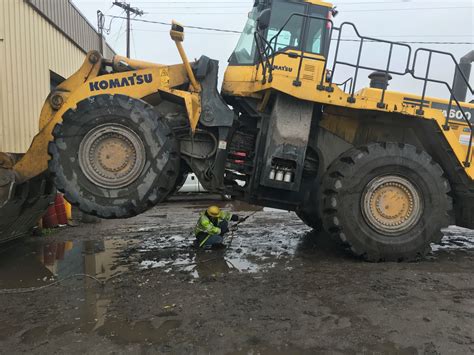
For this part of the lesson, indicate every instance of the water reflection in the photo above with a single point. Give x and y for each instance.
(40, 263)
(32, 264)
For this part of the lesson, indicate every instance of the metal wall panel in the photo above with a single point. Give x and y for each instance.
(67, 18)
(29, 48)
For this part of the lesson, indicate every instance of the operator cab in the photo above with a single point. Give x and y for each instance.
(284, 26)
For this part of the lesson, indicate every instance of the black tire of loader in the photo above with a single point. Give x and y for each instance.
(347, 177)
(155, 181)
(181, 178)
(312, 221)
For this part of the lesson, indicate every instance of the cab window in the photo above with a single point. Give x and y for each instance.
(282, 41)
(317, 29)
(290, 35)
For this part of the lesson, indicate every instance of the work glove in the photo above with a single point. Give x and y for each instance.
(224, 230)
(235, 218)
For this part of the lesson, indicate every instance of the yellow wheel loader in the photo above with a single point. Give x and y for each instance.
(383, 171)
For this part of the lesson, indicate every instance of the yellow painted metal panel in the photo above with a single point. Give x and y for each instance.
(320, 3)
(31, 47)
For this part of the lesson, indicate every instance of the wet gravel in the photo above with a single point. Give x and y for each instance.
(279, 288)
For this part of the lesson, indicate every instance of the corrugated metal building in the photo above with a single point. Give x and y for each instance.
(41, 42)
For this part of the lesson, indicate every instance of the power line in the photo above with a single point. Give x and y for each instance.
(187, 26)
(133, 41)
(396, 2)
(418, 36)
(347, 11)
(172, 6)
(119, 33)
(413, 9)
(219, 7)
(342, 40)
(335, 2)
(192, 33)
(129, 10)
(239, 32)
(406, 42)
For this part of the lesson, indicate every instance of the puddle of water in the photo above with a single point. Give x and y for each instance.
(38, 263)
(32, 264)
(253, 249)
(271, 238)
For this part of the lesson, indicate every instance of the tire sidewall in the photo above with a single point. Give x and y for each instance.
(157, 140)
(404, 162)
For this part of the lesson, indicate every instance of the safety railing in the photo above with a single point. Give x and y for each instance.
(348, 82)
(267, 50)
(264, 57)
(357, 66)
(452, 100)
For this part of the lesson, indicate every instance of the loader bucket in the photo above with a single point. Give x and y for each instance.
(22, 204)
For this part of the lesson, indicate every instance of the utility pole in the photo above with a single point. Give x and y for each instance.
(129, 10)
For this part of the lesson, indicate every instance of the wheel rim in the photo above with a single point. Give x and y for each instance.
(391, 205)
(112, 156)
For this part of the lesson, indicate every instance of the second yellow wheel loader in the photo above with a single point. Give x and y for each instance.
(383, 171)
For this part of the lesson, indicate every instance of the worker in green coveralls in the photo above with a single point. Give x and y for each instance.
(211, 227)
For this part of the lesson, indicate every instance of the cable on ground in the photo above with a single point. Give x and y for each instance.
(34, 289)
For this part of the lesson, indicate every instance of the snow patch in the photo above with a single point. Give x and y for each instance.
(151, 264)
(455, 238)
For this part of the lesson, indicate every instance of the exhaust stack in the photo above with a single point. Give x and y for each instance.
(460, 85)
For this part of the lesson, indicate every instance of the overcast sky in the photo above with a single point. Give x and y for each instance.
(398, 20)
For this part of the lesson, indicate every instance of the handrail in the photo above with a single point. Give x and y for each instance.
(452, 98)
(344, 83)
(358, 66)
(261, 53)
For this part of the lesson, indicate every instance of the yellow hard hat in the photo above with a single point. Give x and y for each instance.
(214, 211)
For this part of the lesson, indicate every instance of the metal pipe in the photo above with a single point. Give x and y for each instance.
(177, 35)
(460, 84)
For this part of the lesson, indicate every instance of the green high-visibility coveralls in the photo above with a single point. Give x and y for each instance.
(207, 232)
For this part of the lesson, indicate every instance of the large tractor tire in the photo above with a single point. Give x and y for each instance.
(179, 183)
(114, 156)
(181, 178)
(310, 219)
(387, 201)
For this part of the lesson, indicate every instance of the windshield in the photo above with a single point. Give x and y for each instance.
(244, 53)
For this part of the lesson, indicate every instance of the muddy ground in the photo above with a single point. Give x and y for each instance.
(280, 288)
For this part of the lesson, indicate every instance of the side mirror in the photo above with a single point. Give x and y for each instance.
(263, 20)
